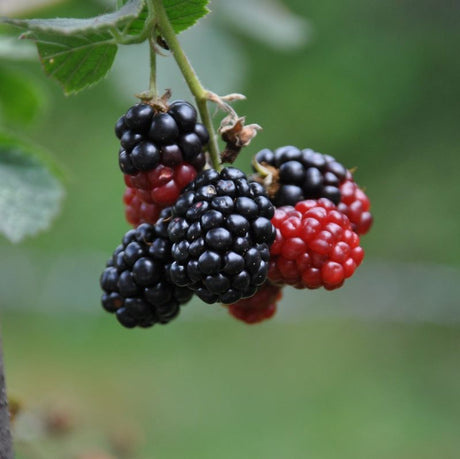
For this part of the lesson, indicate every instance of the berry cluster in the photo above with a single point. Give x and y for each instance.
(160, 153)
(315, 246)
(220, 235)
(306, 174)
(136, 282)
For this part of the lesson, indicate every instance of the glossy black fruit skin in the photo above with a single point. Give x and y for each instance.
(136, 282)
(221, 233)
(304, 174)
(150, 138)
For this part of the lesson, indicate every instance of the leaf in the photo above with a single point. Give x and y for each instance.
(20, 97)
(184, 13)
(30, 192)
(76, 61)
(71, 26)
(137, 26)
(78, 52)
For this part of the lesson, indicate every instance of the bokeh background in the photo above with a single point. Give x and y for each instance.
(371, 370)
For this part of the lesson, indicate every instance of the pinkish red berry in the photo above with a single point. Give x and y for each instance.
(315, 246)
(161, 185)
(356, 206)
(138, 211)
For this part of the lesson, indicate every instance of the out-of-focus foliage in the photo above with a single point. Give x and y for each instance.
(269, 21)
(21, 97)
(30, 188)
(30, 195)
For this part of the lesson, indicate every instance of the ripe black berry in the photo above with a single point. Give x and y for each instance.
(149, 139)
(304, 174)
(184, 115)
(136, 282)
(221, 233)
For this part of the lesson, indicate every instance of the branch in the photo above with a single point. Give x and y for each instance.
(6, 448)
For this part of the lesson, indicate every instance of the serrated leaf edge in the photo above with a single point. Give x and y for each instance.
(97, 23)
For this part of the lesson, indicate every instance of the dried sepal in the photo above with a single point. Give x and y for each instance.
(159, 103)
(236, 135)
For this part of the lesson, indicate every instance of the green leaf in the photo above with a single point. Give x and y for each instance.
(71, 26)
(78, 52)
(20, 96)
(137, 26)
(184, 13)
(76, 61)
(30, 192)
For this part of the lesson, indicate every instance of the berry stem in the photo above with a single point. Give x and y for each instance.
(263, 171)
(191, 78)
(153, 67)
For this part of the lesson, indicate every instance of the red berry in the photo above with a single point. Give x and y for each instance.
(315, 246)
(148, 192)
(184, 174)
(259, 307)
(355, 205)
(161, 185)
(167, 194)
(138, 211)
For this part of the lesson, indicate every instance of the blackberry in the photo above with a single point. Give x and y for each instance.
(315, 246)
(149, 138)
(136, 283)
(221, 234)
(303, 174)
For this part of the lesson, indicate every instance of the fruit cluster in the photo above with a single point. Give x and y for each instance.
(220, 235)
(160, 153)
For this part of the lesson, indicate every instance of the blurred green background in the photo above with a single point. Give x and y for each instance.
(371, 370)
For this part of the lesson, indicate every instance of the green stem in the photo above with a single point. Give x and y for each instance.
(191, 78)
(153, 67)
(263, 171)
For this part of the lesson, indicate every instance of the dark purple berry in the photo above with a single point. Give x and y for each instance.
(145, 155)
(139, 117)
(221, 232)
(138, 283)
(304, 174)
(171, 155)
(151, 139)
(163, 129)
(202, 133)
(184, 114)
(190, 146)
